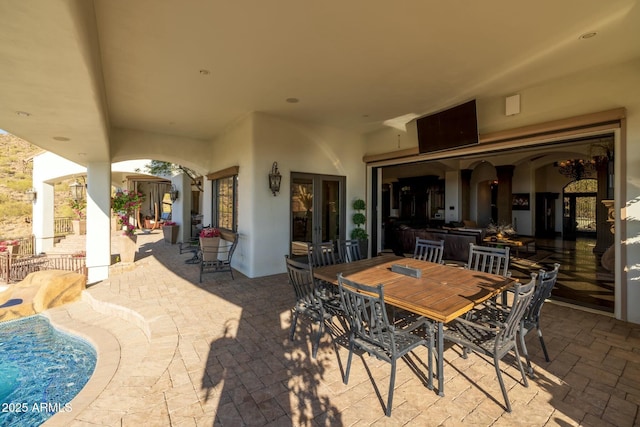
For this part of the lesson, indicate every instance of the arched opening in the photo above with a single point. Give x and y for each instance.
(579, 209)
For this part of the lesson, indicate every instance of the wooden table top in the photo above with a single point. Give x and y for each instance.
(442, 293)
(516, 241)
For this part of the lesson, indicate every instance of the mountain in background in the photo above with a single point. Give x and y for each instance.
(16, 165)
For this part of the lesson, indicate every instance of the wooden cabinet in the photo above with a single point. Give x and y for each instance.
(420, 198)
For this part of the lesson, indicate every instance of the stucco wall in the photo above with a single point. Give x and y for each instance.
(263, 220)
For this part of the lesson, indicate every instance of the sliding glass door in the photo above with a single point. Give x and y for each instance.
(317, 210)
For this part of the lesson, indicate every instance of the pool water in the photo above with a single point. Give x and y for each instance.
(41, 371)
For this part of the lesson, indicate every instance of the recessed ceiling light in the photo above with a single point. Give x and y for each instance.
(588, 35)
(292, 100)
(205, 72)
(61, 138)
(23, 113)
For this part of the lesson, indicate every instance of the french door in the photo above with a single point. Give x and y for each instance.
(317, 210)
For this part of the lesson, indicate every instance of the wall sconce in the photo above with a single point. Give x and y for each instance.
(174, 193)
(32, 195)
(77, 190)
(274, 179)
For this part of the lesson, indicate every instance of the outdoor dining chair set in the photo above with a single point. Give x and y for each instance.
(490, 328)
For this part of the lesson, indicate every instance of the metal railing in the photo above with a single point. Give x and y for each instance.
(62, 226)
(14, 268)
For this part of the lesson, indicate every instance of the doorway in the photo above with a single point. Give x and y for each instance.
(317, 210)
(579, 209)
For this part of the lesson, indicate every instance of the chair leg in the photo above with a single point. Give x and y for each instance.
(346, 372)
(525, 353)
(544, 347)
(496, 364)
(392, 382)
(524, 376)
(314, 350)
(293, 325)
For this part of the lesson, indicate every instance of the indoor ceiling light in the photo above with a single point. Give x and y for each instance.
(61, 138)
(292, 100)
(205, 72)
(23, 113)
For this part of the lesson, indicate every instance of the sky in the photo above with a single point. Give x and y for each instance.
(3, 131)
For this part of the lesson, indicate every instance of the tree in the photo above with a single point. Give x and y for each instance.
(158, 167)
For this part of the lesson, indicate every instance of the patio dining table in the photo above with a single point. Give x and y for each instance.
(441, 293)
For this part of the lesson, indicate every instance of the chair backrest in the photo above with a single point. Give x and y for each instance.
(322, 254)
(429, 250)
(367, 315)
(522, 295)
(219, 250)
(489, 260)
(349, 250)
(301, 278)
(546, 282)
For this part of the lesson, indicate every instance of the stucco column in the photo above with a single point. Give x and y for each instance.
(505, 185)
(42, 214)
(604, 237)
(465, 193)
(181, 208)
(98, 220)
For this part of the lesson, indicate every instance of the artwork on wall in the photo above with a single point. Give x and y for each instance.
(520, 202)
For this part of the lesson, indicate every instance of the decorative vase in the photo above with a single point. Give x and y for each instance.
(210, 247)
(128, 248)
(170, 233)
(79, 226)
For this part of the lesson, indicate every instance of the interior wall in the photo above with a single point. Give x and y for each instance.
(594, 90)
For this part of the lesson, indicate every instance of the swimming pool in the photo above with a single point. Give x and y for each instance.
(41, 370)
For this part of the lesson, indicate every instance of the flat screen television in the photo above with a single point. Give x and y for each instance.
(448, 129)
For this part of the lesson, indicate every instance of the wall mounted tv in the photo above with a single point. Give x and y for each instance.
(451, 128)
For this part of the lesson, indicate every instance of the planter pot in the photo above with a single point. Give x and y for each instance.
(170, 233)
(210, 247)
(79, 226)
(364, 247)
(128, 248)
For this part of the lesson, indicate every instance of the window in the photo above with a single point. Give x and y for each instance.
(225, 202)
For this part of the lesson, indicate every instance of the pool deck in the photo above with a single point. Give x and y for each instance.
(173, 352)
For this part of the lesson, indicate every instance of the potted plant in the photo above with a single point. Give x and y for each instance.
(79, 222)
(359, 233)
(125, 204)
(209, 243)
(170, 231)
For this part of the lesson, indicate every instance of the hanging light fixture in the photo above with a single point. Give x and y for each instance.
(32, 195)
(77, 190)
(576, 169)
(274, 179)
(174, 193)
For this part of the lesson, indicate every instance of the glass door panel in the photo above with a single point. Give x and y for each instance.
(317, 210)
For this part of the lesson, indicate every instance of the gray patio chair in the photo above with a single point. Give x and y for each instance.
(308, 299)
(370, 330)
(429, 250)
(545, 283)
(321, 254)
(218, 259)
(349, 250)
(489, 260)
(495, 338)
